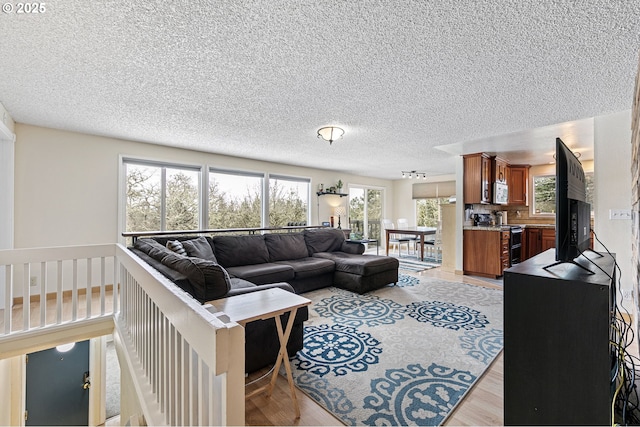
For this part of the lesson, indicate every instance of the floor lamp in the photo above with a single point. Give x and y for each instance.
(339, 211)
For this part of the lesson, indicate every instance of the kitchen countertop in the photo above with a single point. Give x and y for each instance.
(506, 227)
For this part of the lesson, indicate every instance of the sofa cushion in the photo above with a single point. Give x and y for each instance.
(208, 279)
(362, 265)
(310, 266)
(261, 274)
(286, 246)
(323, 240)
(232, 251)
(199, 248)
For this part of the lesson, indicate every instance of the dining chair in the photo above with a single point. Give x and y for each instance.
(404, 223)
(434, 246)
(395, 238)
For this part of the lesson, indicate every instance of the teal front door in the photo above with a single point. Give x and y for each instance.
(57, 387)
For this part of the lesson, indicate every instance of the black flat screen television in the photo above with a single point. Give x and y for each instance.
(573, 213)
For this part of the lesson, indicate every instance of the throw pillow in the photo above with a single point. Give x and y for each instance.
(199, 248)
(176, 247)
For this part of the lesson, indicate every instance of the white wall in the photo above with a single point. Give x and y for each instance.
(66, 184)
(7, 156)
(612, 173)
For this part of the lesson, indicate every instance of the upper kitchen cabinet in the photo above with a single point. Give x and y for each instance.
(477, 178)
(500, 168)
(518, 182)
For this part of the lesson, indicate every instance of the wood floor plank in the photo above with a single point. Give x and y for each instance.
(483, 404)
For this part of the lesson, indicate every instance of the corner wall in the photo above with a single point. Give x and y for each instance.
(612, 174)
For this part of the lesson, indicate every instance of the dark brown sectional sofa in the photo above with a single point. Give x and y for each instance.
(216, 267)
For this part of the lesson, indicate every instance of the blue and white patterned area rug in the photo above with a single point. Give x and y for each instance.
(411, 263)
(405, 354)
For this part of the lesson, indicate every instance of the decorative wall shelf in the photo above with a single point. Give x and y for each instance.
(325, 193)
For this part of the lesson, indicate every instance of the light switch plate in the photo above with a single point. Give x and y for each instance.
(619, 214)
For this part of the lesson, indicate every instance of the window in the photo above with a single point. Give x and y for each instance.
(235, 199)
(544, 193)
(365, 211)
(169, 197)
(428, 211)
(288, 200)
(161, 197)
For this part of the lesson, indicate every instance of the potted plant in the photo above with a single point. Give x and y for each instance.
(339, 186)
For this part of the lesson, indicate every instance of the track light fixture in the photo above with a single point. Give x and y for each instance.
(412, 174)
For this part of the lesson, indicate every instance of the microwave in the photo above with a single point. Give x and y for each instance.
(500, 193)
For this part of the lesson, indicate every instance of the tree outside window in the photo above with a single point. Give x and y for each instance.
(288, 201)
(544, 193)
(235, 200)
(167, 197)
(428, 211)
(161, 198)
(144, 198)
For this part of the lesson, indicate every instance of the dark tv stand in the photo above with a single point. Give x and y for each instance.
(573, 261)
(557, 329)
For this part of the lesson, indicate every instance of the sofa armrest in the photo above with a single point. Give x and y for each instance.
(355, 248)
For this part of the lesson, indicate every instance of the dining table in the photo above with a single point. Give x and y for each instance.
(418, 232)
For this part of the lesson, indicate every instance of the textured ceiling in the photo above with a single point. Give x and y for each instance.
(257, 79)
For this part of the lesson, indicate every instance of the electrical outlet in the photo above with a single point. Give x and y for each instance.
(33, 281)
(627, 294)
(619, 214)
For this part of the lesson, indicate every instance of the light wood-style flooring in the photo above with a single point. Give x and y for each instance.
(483, 405)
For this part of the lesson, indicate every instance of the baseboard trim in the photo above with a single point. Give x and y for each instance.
(65, 294)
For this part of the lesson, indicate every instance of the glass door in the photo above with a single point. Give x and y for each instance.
(365, 211)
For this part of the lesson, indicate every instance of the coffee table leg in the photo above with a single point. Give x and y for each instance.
(283, 357)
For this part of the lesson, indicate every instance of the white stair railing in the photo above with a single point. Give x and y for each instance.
(186, 364)
(191, 361)
(45, 287)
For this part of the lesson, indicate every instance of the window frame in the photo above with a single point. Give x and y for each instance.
(122, 187)
(236, 172)
(203, 171)
(532, 204)
(283, 177)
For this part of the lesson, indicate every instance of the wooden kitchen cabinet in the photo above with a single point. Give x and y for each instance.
(518, 182)
(505, 249)
(477, 178)
(533, 242)
(539, 240)
(500, 170)
(548, 239)
(485, 252)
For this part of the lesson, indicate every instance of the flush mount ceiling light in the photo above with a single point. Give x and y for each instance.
(330, 133)
(65, 347)
(411, 174)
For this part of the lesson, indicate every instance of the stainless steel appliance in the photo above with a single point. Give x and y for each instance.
(500, 193)
(482, 220)
(515, 243)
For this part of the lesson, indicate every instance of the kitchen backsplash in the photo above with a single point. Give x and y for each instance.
(515, 214)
